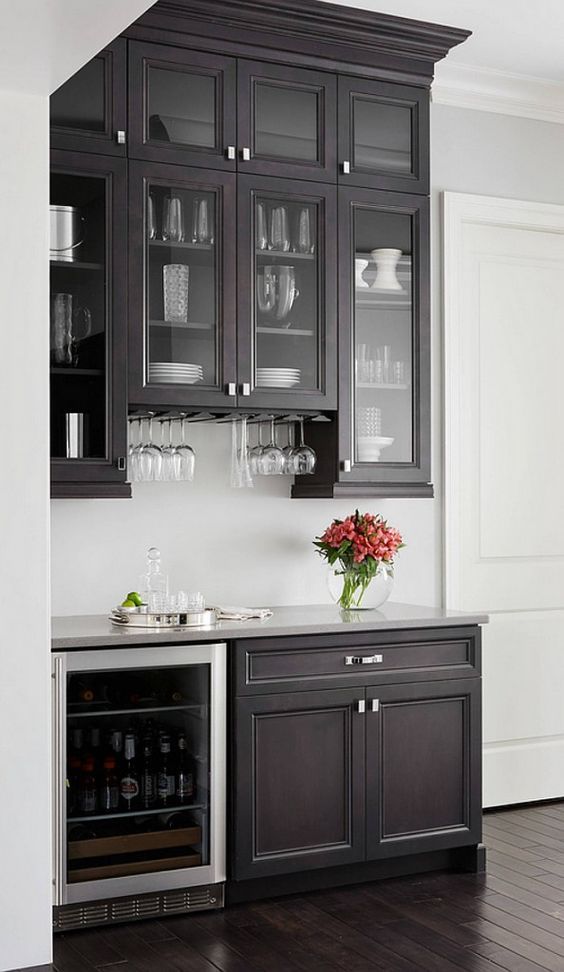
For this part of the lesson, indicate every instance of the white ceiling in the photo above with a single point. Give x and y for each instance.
(522, 37)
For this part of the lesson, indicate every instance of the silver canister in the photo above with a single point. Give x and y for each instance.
(66, 233)
(74, 422)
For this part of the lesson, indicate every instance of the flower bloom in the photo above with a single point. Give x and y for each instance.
(366, 536)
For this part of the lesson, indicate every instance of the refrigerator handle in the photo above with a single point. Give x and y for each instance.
(59, 778)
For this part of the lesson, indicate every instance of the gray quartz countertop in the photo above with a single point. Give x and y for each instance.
(95, 631)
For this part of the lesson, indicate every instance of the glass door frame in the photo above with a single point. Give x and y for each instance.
(141, 392)
(114, 58)
(107, 470)
(419, 469)
(325, 170)
(326, 198)
(402, 95)
(64, 663)
(143, 56)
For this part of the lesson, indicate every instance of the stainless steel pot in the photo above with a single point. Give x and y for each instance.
(66, 233)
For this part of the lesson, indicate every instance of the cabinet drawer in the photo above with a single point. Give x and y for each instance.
(272, 664)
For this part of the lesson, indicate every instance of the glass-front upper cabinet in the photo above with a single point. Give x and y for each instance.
(182, 106)
(182, 286)
(383, 135)
(287, 299)
(287, 121)
(87, 325)
(89, 112)
(384, 352)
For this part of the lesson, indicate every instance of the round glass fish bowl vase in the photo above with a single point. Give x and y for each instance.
(352, 591)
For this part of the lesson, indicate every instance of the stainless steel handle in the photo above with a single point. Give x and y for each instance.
(374, 705)
(59, 773)
(347, 465)
(346, 167)
(230, 151)
(246, 154)
(364, 659)
(360, 705)
(245, 389)
(120, 137)
(231, 389)
(122, 463)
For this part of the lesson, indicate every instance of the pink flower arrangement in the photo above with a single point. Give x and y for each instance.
(360, 544)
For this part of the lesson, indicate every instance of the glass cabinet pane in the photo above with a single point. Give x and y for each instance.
(381, 135)
(286, 293)
(78, 317)
(80, 103)
(286, 122)
(382, 336)
(181, 227)
(182, 107)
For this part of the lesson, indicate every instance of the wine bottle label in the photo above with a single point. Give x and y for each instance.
(162, 786)
(171, 783)
(185, 786)
(129, 788)
(148, 789)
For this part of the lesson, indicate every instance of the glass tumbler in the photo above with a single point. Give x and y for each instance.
(201, 225)
(175, 289)
(279, 231)
(173, 220)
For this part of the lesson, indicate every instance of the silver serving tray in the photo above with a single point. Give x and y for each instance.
(165, 619)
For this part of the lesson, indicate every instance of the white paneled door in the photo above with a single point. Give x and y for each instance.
(504, 475)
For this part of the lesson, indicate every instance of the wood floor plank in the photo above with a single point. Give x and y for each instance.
(506, 959)
(67, 959)
(521, 946)
(215, 949)
(94, 949)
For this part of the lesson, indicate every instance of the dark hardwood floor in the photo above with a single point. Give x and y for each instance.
(510, 918)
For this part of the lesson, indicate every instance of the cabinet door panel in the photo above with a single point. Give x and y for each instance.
(181, 106)
(287, 121)
(87, 324)
(384, 424)
(287, 293)
(423, 766)
(89, 110)
(383, 135)
(182, 285)
(299, 782)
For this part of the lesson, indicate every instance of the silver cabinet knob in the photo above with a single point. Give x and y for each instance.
(231, 389)
(246, 154)
(245, 389)
(120, 137)
(361, 705)
(375, 705)
(230, 151)
(364, 659)
(122, 463)
(346, 167)
(346, 465)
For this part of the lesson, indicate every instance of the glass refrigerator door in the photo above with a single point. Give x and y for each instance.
(141, 767)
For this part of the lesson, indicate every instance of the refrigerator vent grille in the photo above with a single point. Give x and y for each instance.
(137, 907)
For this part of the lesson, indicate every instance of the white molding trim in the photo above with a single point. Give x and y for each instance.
(485, 89)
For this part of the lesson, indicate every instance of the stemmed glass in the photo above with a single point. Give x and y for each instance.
(134, 471)
(150, 459)
(185, 455)
(288, 451)
(244, 466)
(170, 461)
(271, 460)
(256, 452)
(304, 458)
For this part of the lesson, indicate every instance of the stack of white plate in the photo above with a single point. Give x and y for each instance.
(369, 447)
(278, 377)
(175, 373)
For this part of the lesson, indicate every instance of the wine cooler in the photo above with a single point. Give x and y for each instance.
(139, 757)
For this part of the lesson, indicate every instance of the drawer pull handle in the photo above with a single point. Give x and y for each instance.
(364, 659)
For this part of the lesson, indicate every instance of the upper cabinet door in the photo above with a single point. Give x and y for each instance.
(383, 135)
(181, 106)
(287, 121)
(89, 112)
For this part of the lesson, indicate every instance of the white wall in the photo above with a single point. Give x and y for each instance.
(25, 833)
(256, 545)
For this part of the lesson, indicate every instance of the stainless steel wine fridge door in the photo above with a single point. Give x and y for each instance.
(171, 701)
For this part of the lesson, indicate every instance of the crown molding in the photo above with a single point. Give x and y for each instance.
(485, 89)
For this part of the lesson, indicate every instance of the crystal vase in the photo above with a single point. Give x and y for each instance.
(351, 590)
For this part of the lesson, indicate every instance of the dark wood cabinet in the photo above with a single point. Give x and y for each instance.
(182, 106)
(423, 767)
(300, 779)
(354, 750)
(286, 121)
(383, 135)
(88, 315)
(89, 112)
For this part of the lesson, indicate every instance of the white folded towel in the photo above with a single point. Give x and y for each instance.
(243, 613)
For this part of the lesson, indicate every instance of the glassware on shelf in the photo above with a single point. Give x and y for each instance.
(69, 326)
(386, 260)
(151, 218)
(277, 290)
(279, 229)
(173, 220)
(261, 228)
(155, 581)
(304, 236)
(202, 231)
(175, 289)
(369, 421)
(398, 372)
(287, 291)
(360, 266)
(266, 290)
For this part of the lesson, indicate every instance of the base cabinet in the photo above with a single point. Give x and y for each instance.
(342, 776)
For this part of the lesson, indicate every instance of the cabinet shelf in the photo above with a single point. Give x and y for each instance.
(79, 372)
(183, 326)
(90, 817)
(185, 245)
(287, 255)
(89, 713)
(387, 303)
(382, 386)
(75, 265)
(295, 331)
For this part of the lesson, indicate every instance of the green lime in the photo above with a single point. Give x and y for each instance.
(128, 603)
(135, 597)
